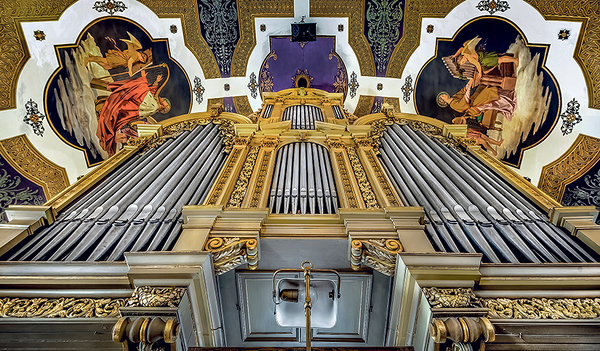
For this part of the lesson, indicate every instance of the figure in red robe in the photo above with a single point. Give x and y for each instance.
(130, 100)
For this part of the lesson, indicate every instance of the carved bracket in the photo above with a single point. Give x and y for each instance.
(451, 298)
(379, 254)
(229, 253)
(151, 296)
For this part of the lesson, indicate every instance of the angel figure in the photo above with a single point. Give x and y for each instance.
(132, 57)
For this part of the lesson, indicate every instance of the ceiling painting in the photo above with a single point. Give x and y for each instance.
(489, 77)
(313, 64)
(384, 20)
(219, 25)
(114, 77)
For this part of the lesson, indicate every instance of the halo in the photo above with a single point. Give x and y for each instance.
(440, 102)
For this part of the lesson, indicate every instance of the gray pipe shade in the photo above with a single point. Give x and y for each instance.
(302, 116)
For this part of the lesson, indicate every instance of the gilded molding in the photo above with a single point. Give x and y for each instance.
(377, 129)
(345, 177)
(529, 190)
(262, 170)
(20, 152)
(451, 297)
(364, 105)
(583, 154)
(228, 134)
(229, 253)
(586, 308)
(379, 254)
(587, 51)
(239, 191)
(382, 179)
(247, 11)
(187, 11)
(363, 182)
(220, 185)
(64, 307)
(242, 105)
(354, 10)
(14, 47)
(152, 296)
(414, 12)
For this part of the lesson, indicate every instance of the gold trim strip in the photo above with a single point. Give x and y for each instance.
(363, 182)
(239, 191)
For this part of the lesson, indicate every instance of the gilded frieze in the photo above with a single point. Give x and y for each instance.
(585, 308)
(414, 12)
(577, 160)
(64, 307)
(451, 297)
(363, 182)
(36, 167)
(237, 196)
(354, 10)
(152, 296)
(247, 11)
(587, 51)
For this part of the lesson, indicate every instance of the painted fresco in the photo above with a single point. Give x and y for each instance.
(115, 77)
(15, 189)
(491, 78)
(313, 64)
(384, 22)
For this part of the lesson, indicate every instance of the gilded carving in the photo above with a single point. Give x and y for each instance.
(363, 182)
(229, 253)
(228, 134)
(354, 10)
(362, 141)
(587, 51)
(247, 11)
(379, 254)
(260, 178)
(583, 154)
(237, 196)
(586, 308)
(414, 11)
(346, 183)
(36, 167)
(377, 129)
(64, 307)
(224, 176)
(382, 179)
(269, 142)
(336, 143)
(152, 296)
(451, 297)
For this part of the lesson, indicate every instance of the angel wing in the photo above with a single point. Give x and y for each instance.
(132, 44)
(469, 46)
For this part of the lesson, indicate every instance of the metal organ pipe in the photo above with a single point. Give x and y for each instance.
(302, 116)
(303, 181)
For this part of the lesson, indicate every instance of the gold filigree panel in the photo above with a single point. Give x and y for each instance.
(587, 51)
(187, 11)
(414, 12)
(354, 10)
(364, 105)
(239, 191)
(583, 154)
(14, 48)
(247, 11)
(242, 105)
(35, 166)
(64, 307)
(586, 308)
(363, 182)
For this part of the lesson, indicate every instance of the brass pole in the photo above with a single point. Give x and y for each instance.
(307, 303)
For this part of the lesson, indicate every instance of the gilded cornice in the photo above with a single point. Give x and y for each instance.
(583, 154)
(24, 157)
(14, 47)
(247, 11)
(354, 10)
(187, 11)
(414, 12)
(587, 51)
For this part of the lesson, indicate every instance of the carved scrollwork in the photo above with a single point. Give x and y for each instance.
(229, 253)
(336, 143)
(237, 196)
(379, 254)
(151, 296)
(269, 142)
(64, 307)
(228, 134)
(363, 182)
(533, 308)
(451, 297)
(362, 141)
(377, 129)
